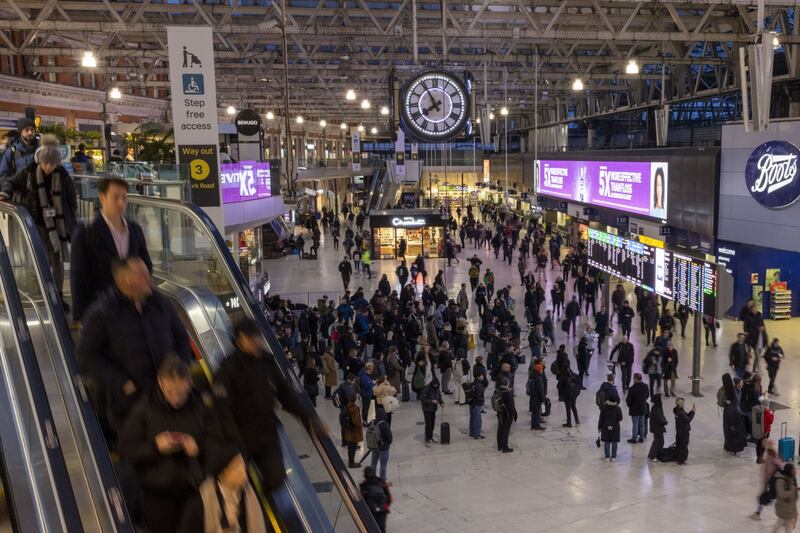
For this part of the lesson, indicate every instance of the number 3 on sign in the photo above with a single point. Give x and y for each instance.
(199, 169)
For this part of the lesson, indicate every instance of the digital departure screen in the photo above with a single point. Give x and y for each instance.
(687, 280)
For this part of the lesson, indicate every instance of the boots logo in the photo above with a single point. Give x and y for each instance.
(771, 174)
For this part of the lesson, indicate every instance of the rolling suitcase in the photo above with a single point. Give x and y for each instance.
(786, 445)
(757, 430)
(444, 431)
(405, 395)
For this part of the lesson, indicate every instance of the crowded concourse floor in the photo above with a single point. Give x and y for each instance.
(557, 479)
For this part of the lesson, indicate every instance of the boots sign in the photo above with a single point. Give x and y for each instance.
(771, 174)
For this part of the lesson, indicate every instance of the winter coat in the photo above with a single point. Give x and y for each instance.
(786, 507)
(651, 317)
(624, 353)
(669, 362)
(427, 395)
(683, 422)
(329, 370)
(773, 357)
(608, 422)
(463, 300)
(573, 309)
(394, 371)
(355, 430)
(658, 422)
(383, 390)
(637, 399)
(738, 357)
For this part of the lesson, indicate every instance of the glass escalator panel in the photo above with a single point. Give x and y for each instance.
(192, 264)
(35, 480)
(91, 473)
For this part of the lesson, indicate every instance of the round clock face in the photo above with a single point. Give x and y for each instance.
(434, 106)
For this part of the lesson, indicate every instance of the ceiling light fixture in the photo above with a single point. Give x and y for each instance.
(632, 67)
(88, 60)
(365, 104)
(776, 43)
(231, 110)
(115, 93)
(491, 115)
(374, 130)
(577, 85)
(504, 111)
(299, 119)
(270, 115)
(361, 128)
(384, 110)
(343, 126)
(478, 120)
(322, 123)
(351, 94)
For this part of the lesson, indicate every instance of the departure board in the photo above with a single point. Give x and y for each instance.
(687, 280)
(627, 259)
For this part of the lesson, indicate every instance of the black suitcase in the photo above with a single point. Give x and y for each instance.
(444, 433)
(547, 406)
(405, 393)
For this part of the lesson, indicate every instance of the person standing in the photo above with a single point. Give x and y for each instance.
(402, 273)
(625, 318)
(652, 367)
(463, 301)
(329, 372)
(431, 398)
(683, 428)
(625, 355)
(376, 495)
(354, 429)
(20, 149)
(773, 357)
(536, 390)
(385, 442)
(608, 424)
(683, 317)
(572, 312)
(601, 326)
(638, 408)
(658, 426)
(710, 325)
(651, 321)
(474, 275)
(476, 401)
(346, 270)
(617, 297)
(506, 415)
(568, 386)
(669, 365)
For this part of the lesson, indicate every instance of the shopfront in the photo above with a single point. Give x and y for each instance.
(422, 229)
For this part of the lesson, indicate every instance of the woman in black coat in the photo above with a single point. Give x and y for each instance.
(311, 380)
(658, 426)
(608, 425)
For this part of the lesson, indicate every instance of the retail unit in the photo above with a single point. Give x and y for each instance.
(422, 229)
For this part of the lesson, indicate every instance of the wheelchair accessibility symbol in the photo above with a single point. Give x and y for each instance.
(193, 84)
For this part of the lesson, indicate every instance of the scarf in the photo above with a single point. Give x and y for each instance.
(55, 226)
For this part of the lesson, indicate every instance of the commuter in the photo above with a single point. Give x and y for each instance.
(402, 274)
(353, 429)
(638, 409)
(385, 397)
(21, 147)
(461, 371)
(246, 386)
(166, 438)
(228, 499)
(535, 388)
(608, 424)
(377, 497)
(625, 318)
(617, 297)
(474, 274)
(506, 414)
(772, 465)
(82, 159)
(346, 270)
(651, 318)
(126, 336)
(710, 325)
(658, 426)
(568, 386)
(601, 326)
(311, 380)
(431, 397)
(739, 356)
(366, 384)
(47, 191)
(394, 370)
(652, 367)
(475, 400)
(586, 347)
(762, 439)
(329, 372)
(366, 263)
(773, 357)
(786, 498)
(683, 427)
(572, 312)
(669, 365)
(683, 317)
(384, 287)
(463, 301)
(624, 351)
(384, 443)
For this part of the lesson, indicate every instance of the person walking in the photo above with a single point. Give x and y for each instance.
(773, 357)
(652, 367)
(669, 365)
(431, 398)
(638, 408)
(568, 386)
(772, 465)
(625, 318)
(683, 428)
(376, 495)
(572, 312)
(786, 498)
(710, 325)
(658, 426)
(20, 149)
(506, 415)
(366, 263)
(625, 355)
(739, 356)
(608, 424)
(651, 317)
(402, 273)
(346, 270)
(536, 391)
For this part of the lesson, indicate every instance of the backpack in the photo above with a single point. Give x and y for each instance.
(469, 391)
(600, 397)
(338, 399)
(722, 397)
(573, 386)
(375, 497)
(373, 435)
(497, 401)
(418, 380)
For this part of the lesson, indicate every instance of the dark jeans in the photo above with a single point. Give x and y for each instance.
(772, 372)
(656, 446)
(713, 332)
(681, 449)
(536, 413)
(650, 335)
(626, 377)
(626, 329)
(327, 392)
(572, 410)
(365, 407)
(683, 328)
(503, 430)
(430, 422)
(655, 383)
(610, 449)
(351, 452)
(474, 420)
(269, 462)
(573, 324)
(380, 519)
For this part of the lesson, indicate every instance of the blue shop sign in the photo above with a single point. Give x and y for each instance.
(771, 174)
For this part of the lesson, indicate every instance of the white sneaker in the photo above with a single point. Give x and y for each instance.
(755, 516)
(608, 459)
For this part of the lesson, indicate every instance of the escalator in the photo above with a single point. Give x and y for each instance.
(35, 477)
(194, 268)
(89, 469)
(377, 187)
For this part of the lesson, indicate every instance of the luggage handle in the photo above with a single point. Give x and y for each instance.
(784, 430)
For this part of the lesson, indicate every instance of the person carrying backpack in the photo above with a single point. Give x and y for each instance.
(786, 498)
(378, 437)
(772, 465)
(21, 149)
(503, 405)
(535, 388)
(377, 497)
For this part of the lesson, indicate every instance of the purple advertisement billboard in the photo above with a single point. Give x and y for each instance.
(244, 181)
(634, 187)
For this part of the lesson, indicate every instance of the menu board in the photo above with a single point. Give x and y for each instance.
(687, 280)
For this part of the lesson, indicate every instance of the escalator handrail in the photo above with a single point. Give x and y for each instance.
(347, 488)
(375, 178)
(94, 434)
(59, 474)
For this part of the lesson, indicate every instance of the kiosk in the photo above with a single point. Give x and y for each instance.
(423, 230)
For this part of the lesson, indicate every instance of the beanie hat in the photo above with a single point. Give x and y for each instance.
(25, 122)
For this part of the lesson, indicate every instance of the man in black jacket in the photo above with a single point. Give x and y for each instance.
(346, 270)
(624, 351)
(109, 236)
(166, 438)
(625, 318)
(246, 386)
(683, 426)
(127, 335)
(638, 408)
(537, 393)
(572, 312)
(431, 398)
(505, 416)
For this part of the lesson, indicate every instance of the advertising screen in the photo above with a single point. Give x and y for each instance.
(245, 181)
(632, 187)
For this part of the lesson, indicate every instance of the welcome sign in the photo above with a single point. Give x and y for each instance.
(245, 181)
(634, 187)
(771, 174)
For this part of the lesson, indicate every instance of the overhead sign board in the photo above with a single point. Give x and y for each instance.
(247, 122)
(771, 174)
(245, 181)
(635, 187)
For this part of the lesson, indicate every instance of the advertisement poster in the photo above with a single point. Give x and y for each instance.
(245, 181)
(400, 154)
(639, 188)
(356, 150)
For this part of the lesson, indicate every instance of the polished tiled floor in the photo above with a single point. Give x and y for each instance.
(556, 480)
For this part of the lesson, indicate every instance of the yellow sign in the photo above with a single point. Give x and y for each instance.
(38, 121)
(650, 241)
(199, 169)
